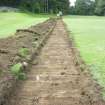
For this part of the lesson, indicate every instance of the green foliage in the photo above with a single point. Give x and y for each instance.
(9, 2)
(17, 71)
(84, 7)
(39, 6)
(88, 7)
(59, 5)
(72, 10)
(24, 52)
(1, 72)
(100, 7)
(22, 76)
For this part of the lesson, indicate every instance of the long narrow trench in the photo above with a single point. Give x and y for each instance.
(55, 80)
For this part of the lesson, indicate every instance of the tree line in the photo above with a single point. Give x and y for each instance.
(82, 7)
(39, 6)
(100, 7)
(88, 7)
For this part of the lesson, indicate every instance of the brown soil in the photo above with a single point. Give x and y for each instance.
(57, 79)
(32, 39)
(9, 48)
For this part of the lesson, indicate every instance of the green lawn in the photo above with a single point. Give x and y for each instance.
(10, 21)
(89, 35)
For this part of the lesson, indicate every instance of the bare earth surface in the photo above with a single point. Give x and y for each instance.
(55, 80)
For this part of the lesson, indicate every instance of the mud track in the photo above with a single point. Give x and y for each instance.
(56, 79)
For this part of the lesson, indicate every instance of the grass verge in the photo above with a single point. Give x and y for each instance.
(89, 35)
(10, 21)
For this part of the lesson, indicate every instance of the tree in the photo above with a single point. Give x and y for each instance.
(84, 7)
(72, 10)
(59, 5)
(39, 6)
(100, 7)
(13, 3)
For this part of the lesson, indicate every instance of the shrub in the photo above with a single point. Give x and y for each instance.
(17, 71)
(1, 72)
(24, 52)
(22, 76)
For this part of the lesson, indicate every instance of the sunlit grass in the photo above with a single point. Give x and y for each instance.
(10, 21)
(89, 35)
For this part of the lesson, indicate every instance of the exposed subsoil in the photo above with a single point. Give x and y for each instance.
(56, 79)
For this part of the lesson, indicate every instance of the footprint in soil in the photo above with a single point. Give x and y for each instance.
(55, 84)
(65, 68)
(35, 100)
(63, 73)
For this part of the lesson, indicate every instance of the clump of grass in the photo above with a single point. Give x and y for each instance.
(34, 44)
(22, 76)
(1, 72)
(23, 52)
(17, 71)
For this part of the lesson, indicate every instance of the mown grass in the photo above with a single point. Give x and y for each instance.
(10, 21)
(89, 35)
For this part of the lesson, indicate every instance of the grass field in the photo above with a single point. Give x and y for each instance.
(11, 21)
(89, 35)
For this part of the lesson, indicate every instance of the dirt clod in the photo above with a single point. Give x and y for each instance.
(63, 73)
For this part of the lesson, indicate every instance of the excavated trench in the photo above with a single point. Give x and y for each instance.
(22, 47)
(58, 78)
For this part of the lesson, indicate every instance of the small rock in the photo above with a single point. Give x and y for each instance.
(25, 64)
(37, 78)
